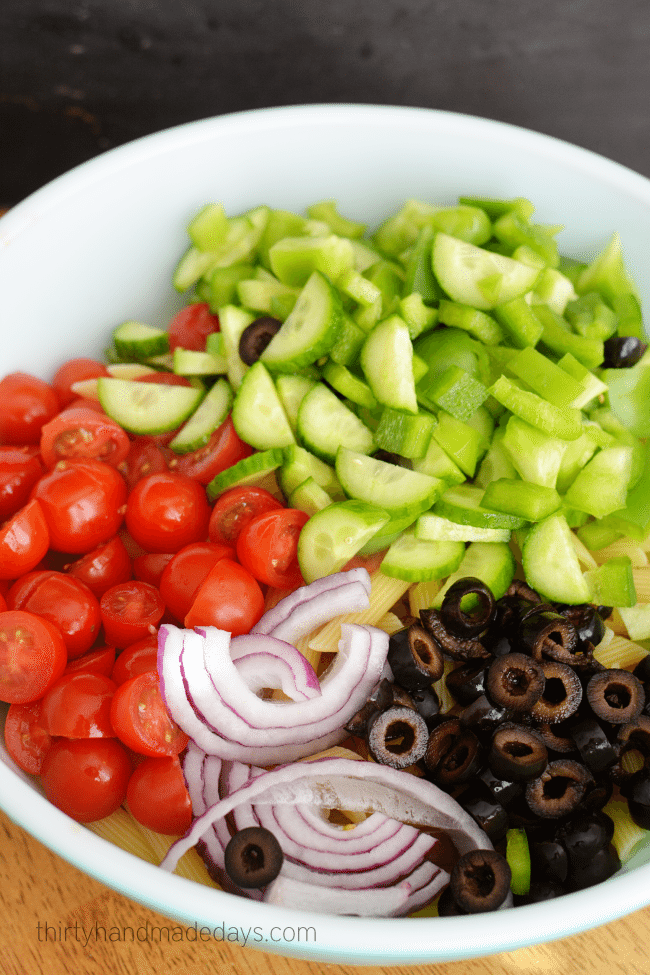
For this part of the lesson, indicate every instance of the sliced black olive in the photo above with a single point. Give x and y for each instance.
(521, 590)
(427, 703)
(583, 834)
(548, 634)
(561, 696)
(253, 857)
(598, 795)
(634, 736)
(466, 682)
(452, 645)
(441, 740)
(501, 790)
(557, 738)
(255, 338)
(637, 792)
(603, 864)
(397, 737)
(447, 906)
(480, 881)
(549, 860)
(642, 669)
(459, 622)
(588, 623)
(517, 753)
(515, 681)
(616, 696)
(483, 717)
(596, 750)
(486, 812)
(415, 658)
(623, 351)
(559, 789)
(461, 762)
(543, 890)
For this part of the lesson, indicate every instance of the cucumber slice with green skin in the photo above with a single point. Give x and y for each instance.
(387, 363)
(325, 424)
(232, 322)
(491, 562)
(474, 276)
(386, 535)
(310, 497)
(249, 470)
(334, 535)
(258, 414)
(396, 489)
(298, 464)
(637, 620)
(348, 385)
(135, 340)
(311, 329)
(512, 496)
(211, 412)
(601, 486)
(189, 362)
(416, 560)
(462, 504)
(613, 581)
(550, 562)
(434, 528)
(147, 408)
(292, 391)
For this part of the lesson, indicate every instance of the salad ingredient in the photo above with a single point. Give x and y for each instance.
(515, 681)
(86, 778)
(256, 336)
(157, 796)
(103, 567)
(253, 857)
(78, 705)
(268, 547)
(135, 659)
(140, 719)
(81, 431)
(26, 403)
(397, 736)
(480, 881)
(143, 406)
(167, 511)
(75, 371)
(183, 574)
(236, 508)
(100, 661)
(191, 326)
(416, 661)
(32, 656)
(24, 541)
(229, 597)
(223, 450)
(25, 738)
(63, 600)
(20, 469)
(130, 611)
(616, 696)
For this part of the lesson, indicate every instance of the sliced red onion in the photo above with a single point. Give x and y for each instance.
(265, 662)
(283, 610)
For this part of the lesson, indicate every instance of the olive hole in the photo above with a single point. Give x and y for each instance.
(518, 749)
(554, 691)
(480, 879)
(557, 786)
(617, 696)
(516, 682)
(252, 858)
(422, 651)
(456, 759)
(399, 738)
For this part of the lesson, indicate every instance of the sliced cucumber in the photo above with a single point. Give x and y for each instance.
(387, 363)
(325, 424)
(396, 489)
(550, 562)
(258, 414)
(135, 340)
(462, 504)
(292, 391)
(209, 415)
(434, 528)
(474, 276)
(415, 560)
(233, 321)
(311, 329)
(347, 384)
(147, 408)
(299, 464)
(406, 434)
(491, 562)
(332, 536)
(309, 497)
(249, 470)
(189, 362)
(387, 534)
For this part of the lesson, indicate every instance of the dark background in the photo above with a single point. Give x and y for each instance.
(77, 78)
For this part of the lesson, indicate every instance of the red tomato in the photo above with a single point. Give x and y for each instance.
(32, 656)
(74, 371)
(26, 403)
(141, 720)
(78, 705)
(64, 601)
(104, 567)
(165, 378)
(99, 661)
(130, 611)
(82, 432)
(268, 547)
(24, 541)
(150, 566)
(234, 509)
(166, 511)
(368, 562)
(146, 456)
(140, 657)
(184, 574)
(223, 449)
(87, 778)
(26, 739)
(158, 798)
(20, 469)
(83, 504)
(190, 328)
(229, 598)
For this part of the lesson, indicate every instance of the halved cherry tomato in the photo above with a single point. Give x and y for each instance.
(82, 432)
(105, 566)
(78, 705)
(368, 562)
(158, 798)
(26, 739)
(20, 469)
(150, 566)
(75, 371)
(64, 601)
(235, 509)
(166, 511)
(141, 720)
(229, 598)
(130, 611)
(82, 501)
(26, 403)
(146, 456)
(32, 656)
(86, 778)
(166, 378)
(190, 327)
(24, 541)
(140, 657)
(186, 571)
(100, 661)
(223, 449)
(268, 547)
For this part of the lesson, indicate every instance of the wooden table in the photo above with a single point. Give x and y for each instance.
(38, 888)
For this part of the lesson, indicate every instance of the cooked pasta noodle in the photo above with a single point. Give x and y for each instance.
(421, 595)
(623, 546)
(619, 652)
(384, 594)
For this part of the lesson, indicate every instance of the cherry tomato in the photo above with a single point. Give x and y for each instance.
(182, 577)
(150, 566)
(235, 508)
(24, 541)
(26, 403)
(146, 456)
(165, 378)
(20, 469)
(100, 661)
(129, 612)
(229, 598)
(86, 778)
(64, 601)
(190, 328)
(223, 449)
(368, 562)
(26, 739)
(166, 511)
(82, 501)
(158, 798)
(140, 657)
(104, 567)
(141, 720)
(268, 547)
(82, 432)
(75, 371)
(32, 656)
(78, 705)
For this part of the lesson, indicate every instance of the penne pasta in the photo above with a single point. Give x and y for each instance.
(384, 594)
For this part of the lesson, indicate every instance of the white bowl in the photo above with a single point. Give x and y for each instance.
(98, 245)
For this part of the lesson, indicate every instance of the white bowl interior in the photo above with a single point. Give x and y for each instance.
(98, 245)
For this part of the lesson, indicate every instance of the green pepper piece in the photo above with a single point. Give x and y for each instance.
(592, 386)
(512, 496)
(327, 211)
(389, 278)
(518, 857)
(557, 337)
(451, 346)
(406, 434)
(437, 463)
(418, 273)
(455, 391)
(588, 315)
(576, 455)
(521, 325)
(601, 487)
(463, 443)
(467, 222)
(598, 534)
(630, 318)
(562, 422)
(478, 324)
(629, 397)
(514, 230)
(536, 456)
(418, 316)
(496, 208)
(545, 378)
(612, 583)
(347, 347)
(606, 274)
